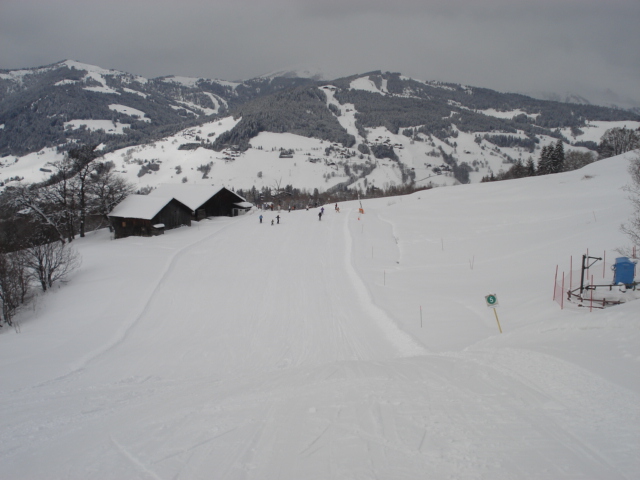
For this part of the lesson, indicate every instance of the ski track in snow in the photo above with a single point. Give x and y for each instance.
(126, 327)
(406, 345)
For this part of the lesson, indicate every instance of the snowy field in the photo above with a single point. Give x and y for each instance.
(355, 347)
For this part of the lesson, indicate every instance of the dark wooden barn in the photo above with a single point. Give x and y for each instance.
(144, 216)
(203, 200)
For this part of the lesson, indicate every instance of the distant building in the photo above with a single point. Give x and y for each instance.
(173, 205)
(144, 216)
(204, 200)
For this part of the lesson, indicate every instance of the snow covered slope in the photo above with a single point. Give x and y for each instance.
(239, 350)
(310, 167)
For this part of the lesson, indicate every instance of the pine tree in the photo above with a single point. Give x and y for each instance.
(544, 164)
(557, 157)
(531, 167)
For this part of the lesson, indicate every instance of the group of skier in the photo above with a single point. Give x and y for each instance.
(320, 213)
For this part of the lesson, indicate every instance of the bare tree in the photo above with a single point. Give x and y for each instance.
(14, 285)
(84, 163)
(575, 159)
(51, 262)
(617, 141)
(107, 189)
(29, 200)
(60, 195)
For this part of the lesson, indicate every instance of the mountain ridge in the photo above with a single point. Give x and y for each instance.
(411, 129)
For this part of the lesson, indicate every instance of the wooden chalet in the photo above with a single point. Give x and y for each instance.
(144, 216)
(204, 200)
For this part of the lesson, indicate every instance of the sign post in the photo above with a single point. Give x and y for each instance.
(492, 302)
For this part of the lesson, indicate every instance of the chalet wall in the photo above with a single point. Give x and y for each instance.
(173, 215)
(221, 204)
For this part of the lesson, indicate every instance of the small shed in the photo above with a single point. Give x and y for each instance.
(241, 208)
(204, 200)
(624, 271)
(144, 216)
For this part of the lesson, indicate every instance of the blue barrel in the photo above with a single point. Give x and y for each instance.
(623, 271)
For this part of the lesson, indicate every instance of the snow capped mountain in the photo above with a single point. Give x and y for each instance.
(367, 130)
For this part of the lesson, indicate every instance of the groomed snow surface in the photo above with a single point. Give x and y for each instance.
(238, 350)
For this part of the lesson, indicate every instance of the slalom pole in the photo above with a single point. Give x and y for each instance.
(555, 283)
(562, 293)
(571, 273)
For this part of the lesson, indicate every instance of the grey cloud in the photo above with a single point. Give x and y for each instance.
(502, 44)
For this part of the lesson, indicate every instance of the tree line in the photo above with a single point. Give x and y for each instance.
(39, 221)
(553, 158)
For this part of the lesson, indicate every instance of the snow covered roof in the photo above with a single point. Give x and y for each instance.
(140, 206)
(244, 204)
(193, 196)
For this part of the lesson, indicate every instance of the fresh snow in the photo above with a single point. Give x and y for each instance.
(364, 83)
(65, 82)
(358, 346)
(140, 206)
(193, 196)
(263, 158)
(102, 89)
(34, 167)
(136, 92)
(109, 126)
(133, 112)
(508, 114)
(594, 130)
(184, 81)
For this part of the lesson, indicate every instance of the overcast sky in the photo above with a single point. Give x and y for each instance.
(582, 46)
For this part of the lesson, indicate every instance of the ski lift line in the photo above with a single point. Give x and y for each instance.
(586, 267)
(589, 284)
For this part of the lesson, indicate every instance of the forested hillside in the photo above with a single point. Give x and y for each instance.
(59, 105)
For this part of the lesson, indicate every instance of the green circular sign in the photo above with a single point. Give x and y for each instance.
(491, 299)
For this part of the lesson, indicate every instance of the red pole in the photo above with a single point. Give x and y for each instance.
(571, 273)
(562, 297)
(591, 304)
(555, 283)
